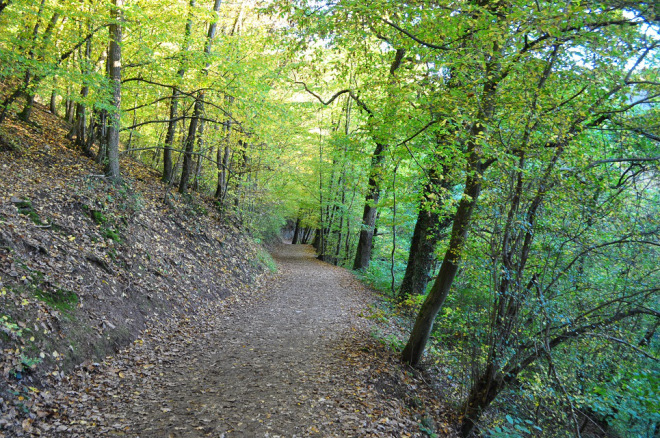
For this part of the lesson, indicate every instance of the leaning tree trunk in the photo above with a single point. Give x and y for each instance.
(365, 242)
(476, 166)
(186, 170)
(412, 353)
(114, 74)
(26, 113)
(483, 392)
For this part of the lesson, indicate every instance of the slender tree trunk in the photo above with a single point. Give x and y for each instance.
(296, 233)
(223, 160)
(169, 137)
(53, 99)
(198, 111)
(102, 128)
(186, 169)
(26, 113)
(79, 128)
(414, 349)
(365, 242)
(70, 110)
(317, 238)
(200, 157)
(114, 74)
(174, 105)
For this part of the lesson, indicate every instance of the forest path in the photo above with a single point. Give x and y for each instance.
(296, 359)
(266, 370)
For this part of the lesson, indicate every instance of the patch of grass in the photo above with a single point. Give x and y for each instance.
(264, 258)
(25, 208)
(61, 299)
(111, 234)
(98, 217)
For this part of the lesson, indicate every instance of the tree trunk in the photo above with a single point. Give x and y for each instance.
(223, 173)
(169, 137)
(174, 106)
(26, 113)
(114, 74)
(79, 128)
(426, 235)
(483, 392)
(296, 233)
(365, 242)
(412, 353)
(53, 99)
(70, 110)
(317, 238)
(198, 111)
(186, 170)
(200, 157)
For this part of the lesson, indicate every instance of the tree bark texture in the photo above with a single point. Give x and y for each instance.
(114, 74)
(365, 242)
(412, 353)
(426, 235)
(53, 101)
(186, 170)
(296, 233)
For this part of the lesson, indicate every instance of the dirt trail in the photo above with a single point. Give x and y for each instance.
(295, 358)
(266, 371)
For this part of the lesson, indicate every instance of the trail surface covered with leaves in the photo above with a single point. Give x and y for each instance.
(293, 358)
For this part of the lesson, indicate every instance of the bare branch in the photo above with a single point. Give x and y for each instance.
(335, 96)
(623, 342)
(623, 160)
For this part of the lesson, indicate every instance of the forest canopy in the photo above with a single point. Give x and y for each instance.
(491, 165)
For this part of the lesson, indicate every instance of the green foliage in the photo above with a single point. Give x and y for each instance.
(552, 109)
(9, 328)
(98, 217)
(57, 298)
(265, 259)
(25, 208)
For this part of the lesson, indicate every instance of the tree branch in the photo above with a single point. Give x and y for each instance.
(335, 96)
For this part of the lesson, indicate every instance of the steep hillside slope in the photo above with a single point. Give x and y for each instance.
(85, 266)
